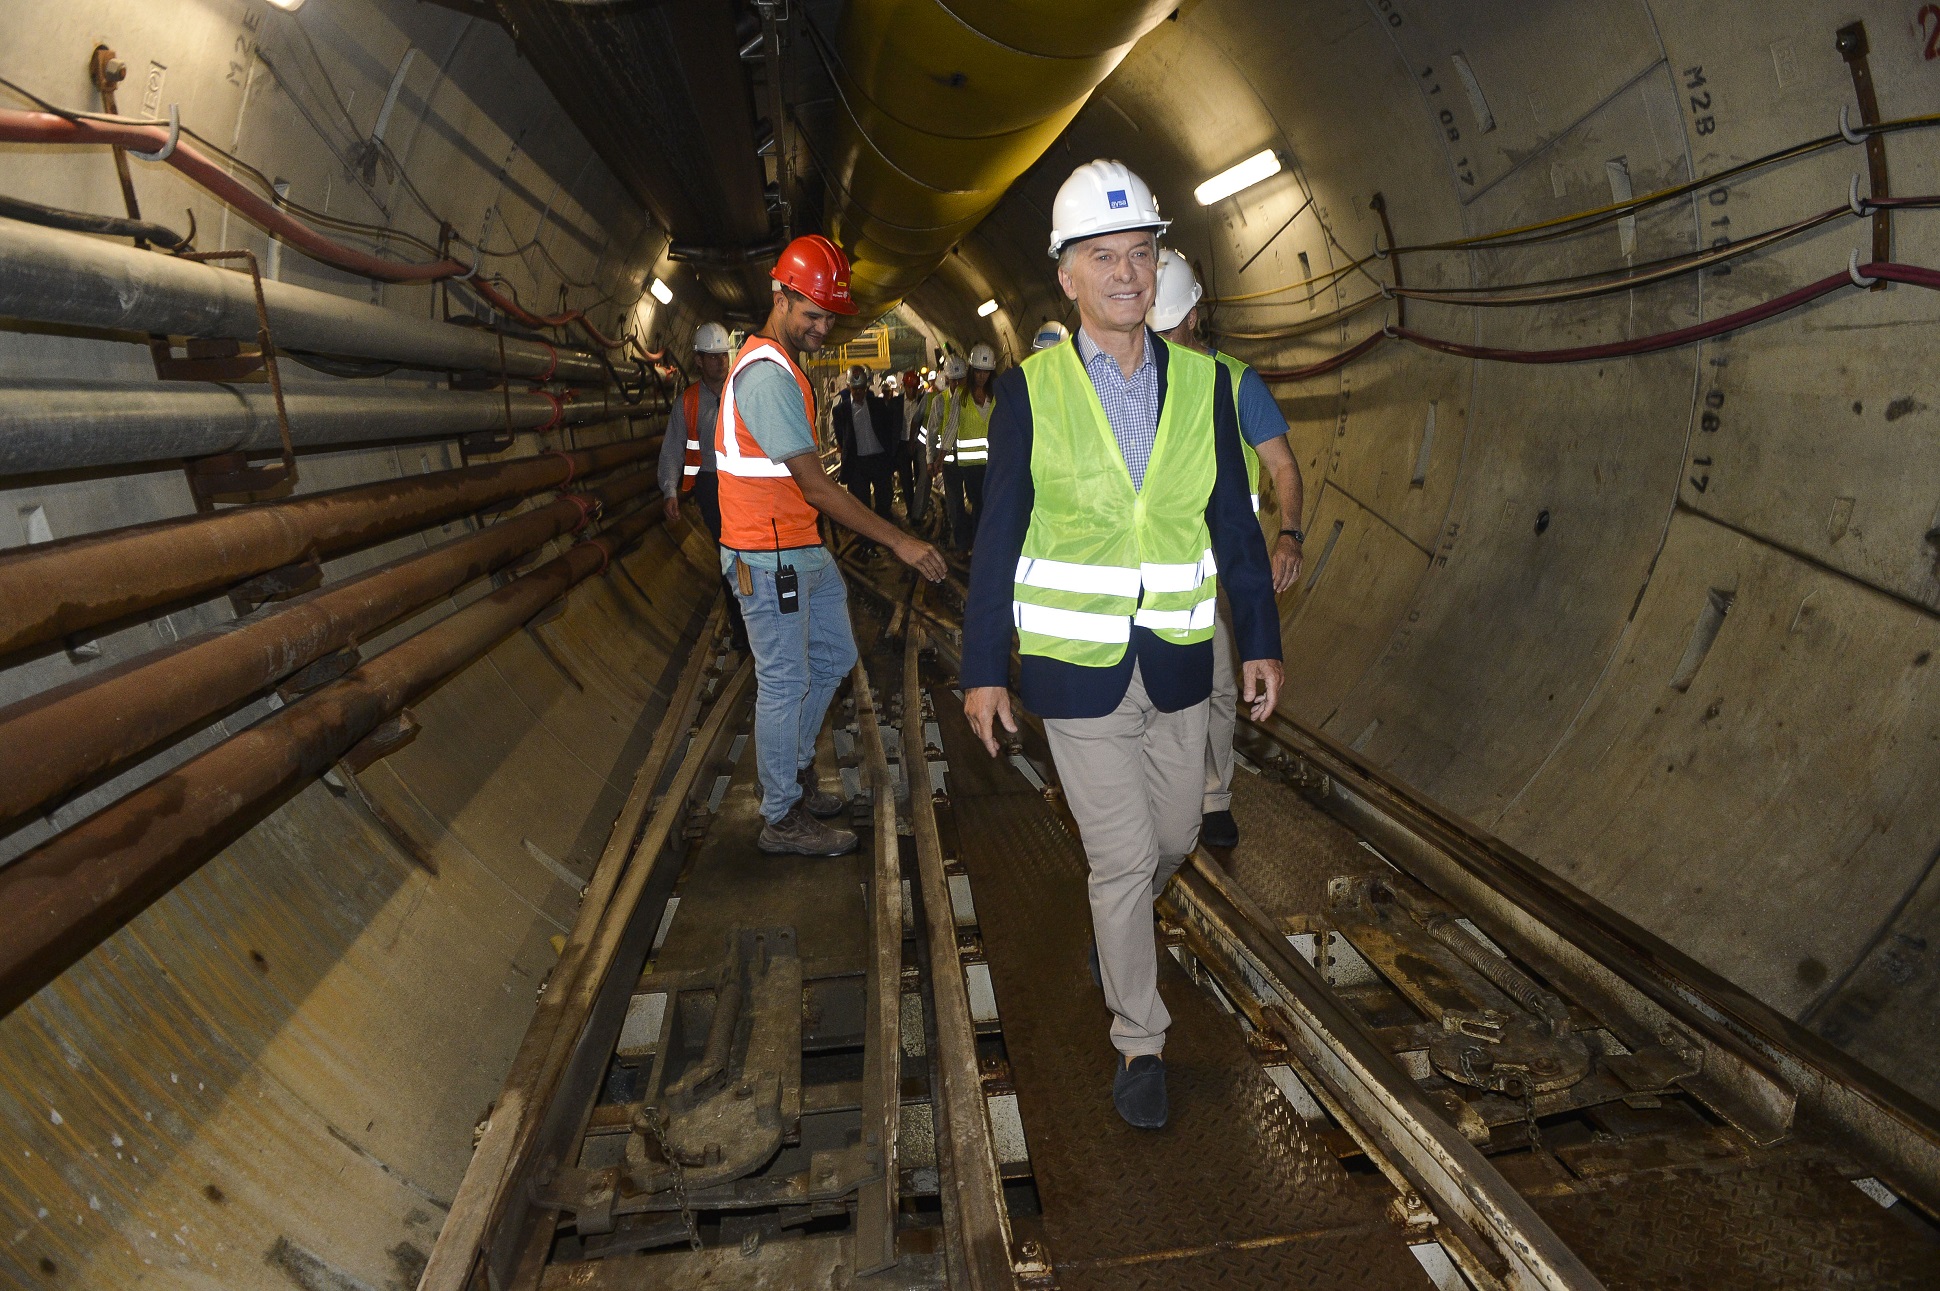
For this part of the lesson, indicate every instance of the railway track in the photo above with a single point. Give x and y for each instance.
(1402, 1055)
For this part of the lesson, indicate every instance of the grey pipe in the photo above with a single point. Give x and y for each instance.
(70, 279)
(47, 426)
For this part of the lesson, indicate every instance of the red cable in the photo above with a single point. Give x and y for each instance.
(1326, 365)
(1913, 275)
(18, 126)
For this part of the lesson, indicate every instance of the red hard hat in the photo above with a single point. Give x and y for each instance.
(816, 267)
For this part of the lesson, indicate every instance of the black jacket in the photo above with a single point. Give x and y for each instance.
(881, 418)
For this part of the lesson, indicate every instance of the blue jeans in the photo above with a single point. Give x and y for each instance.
(799, 661)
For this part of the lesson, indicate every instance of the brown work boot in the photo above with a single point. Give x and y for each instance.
(802, 835)
(818, 801)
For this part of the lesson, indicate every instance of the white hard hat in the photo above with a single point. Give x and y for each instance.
(1178, 291)
(858, 376)
(1052, 333)
(1102, 197)
(982, 356)
(711, 338)
(954, 369)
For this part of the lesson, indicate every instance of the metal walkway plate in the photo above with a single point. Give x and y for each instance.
(1234, 1191)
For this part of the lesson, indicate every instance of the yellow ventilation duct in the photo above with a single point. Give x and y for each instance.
(944, 107)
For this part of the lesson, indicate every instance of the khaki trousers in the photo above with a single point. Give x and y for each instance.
(1224, 715)
(1133, 781)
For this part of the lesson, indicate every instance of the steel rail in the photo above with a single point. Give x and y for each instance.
(973, 1203)
(1759, 1068)
(63, 898)
(64, 426)
(71, 280)
(1340, 1050)
(55, 589)
(61, 739)
(548, 1094)
(882, 1076)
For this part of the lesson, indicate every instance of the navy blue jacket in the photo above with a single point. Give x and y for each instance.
(1175, 676)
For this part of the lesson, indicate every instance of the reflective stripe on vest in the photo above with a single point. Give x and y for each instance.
(1099, 556)
(761, 505)
(973, 447)
(691, 465)
(1234, 370)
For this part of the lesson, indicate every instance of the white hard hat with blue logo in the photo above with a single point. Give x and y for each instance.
(1102, 197)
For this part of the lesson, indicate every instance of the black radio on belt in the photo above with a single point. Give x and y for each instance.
(788, 584)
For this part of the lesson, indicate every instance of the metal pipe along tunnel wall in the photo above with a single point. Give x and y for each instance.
(1665, 623)
(272, 1075)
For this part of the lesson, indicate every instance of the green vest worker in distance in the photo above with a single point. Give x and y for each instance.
(1116, 508)
(1263, 435)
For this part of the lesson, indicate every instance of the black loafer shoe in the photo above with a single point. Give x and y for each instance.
(1219, 829)
(1138, 1092)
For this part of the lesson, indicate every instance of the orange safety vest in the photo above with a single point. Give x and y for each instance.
(761, 505)
(691, 470)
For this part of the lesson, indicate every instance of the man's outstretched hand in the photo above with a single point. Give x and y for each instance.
(921, 557)
(1262, 686)
(985, 706)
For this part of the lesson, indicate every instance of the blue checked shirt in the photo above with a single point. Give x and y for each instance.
(1131, 403)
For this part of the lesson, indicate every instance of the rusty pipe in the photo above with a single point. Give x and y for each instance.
(61, 739)
(55, 589)
(62, 899)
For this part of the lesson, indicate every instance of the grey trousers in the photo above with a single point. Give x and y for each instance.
(1132, 779)
(1224, 715)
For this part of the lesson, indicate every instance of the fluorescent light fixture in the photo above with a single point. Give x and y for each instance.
(1261, 165)
(986, 309)
(661, 292)
(288, 6)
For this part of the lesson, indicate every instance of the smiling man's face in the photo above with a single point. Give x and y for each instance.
(1112, 278)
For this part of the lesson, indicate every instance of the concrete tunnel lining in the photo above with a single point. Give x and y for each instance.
(298, 1042)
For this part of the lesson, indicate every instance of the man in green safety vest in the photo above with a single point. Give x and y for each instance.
(1115, 509)
(1263, 437)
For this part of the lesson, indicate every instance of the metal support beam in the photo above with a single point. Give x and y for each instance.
(974, 1197)
(882, 1078)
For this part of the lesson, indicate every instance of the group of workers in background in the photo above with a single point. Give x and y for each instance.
(901, 430)
(1108, 488)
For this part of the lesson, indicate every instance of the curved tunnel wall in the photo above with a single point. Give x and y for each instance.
(1522, 564)
(271, 1078)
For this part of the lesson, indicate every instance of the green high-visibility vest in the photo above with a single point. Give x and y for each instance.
(967, 429)
(1100, 555)
(1234, 368)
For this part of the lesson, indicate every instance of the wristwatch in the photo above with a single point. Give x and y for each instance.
(1294, 534)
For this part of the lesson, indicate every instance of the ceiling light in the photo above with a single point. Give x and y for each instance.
(986, 309)
(1261, 165)
(288, 6)
(661, 292)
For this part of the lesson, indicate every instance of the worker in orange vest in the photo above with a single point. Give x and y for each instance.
(687, 453)
(773, 493)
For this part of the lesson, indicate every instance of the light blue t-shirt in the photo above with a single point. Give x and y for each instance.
(1260, 418)
(770, 404)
